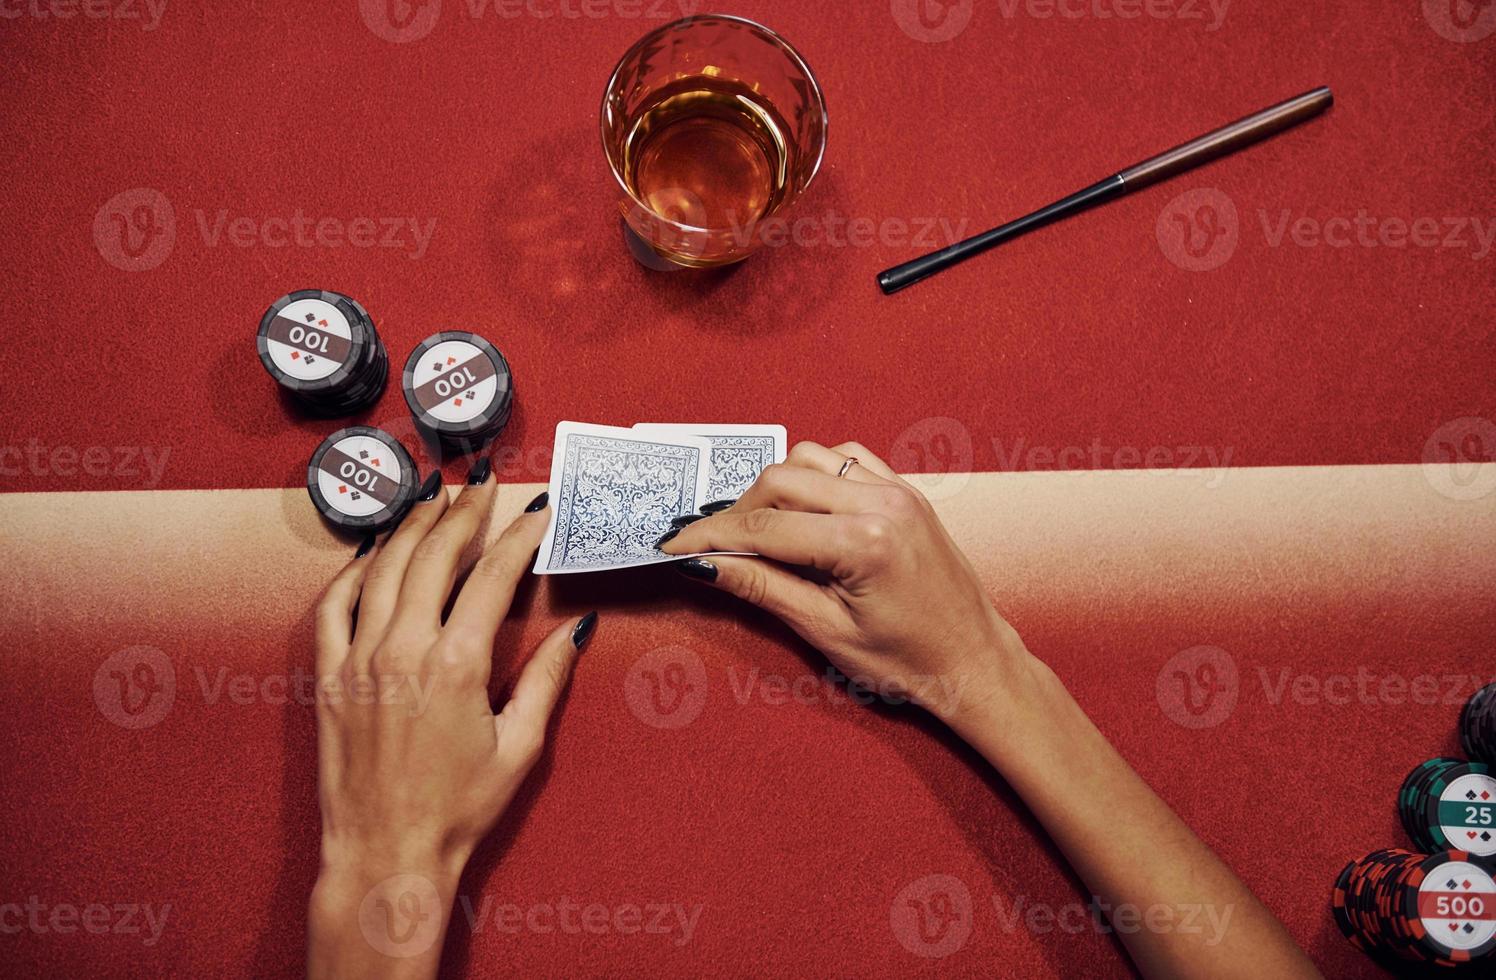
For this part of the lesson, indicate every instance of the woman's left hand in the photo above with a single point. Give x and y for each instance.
(414, 766)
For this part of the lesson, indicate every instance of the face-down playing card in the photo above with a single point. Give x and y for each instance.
(739, 452)
(614, 493)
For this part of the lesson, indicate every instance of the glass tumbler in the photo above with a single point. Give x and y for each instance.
(713, 126)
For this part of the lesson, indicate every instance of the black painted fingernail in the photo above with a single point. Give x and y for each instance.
(717, 507)
(478, 475)
(686, 520)
(696, 568)
(366, 547)
(583, 631)
(668, 537)
(430, 487)
(538, 504)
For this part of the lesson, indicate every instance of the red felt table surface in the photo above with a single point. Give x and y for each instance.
(1346, 614)
(484, 134)
(1322, 335)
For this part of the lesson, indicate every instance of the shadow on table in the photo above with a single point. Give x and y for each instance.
(916, 735)
(553, 232)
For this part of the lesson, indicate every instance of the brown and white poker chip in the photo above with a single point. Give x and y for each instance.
(459, 387)
(322, 347)
(362, 479)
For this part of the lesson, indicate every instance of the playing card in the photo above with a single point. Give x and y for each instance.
(739, 452)
(614, 493)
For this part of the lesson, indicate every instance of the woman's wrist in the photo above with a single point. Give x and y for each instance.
(361, 866)
(353, 876)
(999, 714)
(383, 916)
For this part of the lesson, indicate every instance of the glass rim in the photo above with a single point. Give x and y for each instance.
(778, 41)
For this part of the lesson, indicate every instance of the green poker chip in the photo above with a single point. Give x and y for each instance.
(1450, 804)
(1459, 809)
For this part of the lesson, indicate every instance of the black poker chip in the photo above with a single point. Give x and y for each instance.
(322, 347)
(1450, 804)
(362, 480)
(1478, 725)
(1403, 907)
(460, 389)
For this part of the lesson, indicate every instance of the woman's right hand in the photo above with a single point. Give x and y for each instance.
(889, 598)
(873, 580)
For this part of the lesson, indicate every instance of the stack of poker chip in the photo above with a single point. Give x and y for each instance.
(460, 390)
(1478, 725)
(362, 480)
(322, 347)
(1402, 907)
(1450, 804)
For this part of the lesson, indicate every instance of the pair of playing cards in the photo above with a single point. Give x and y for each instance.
(615, 491)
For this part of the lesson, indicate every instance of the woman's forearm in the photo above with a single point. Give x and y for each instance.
(1187, 913)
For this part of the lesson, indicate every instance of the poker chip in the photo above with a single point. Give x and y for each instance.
(460, 389)
(1401, 906)
(1450, 804)
(362, 480)
(322, 347)
(1478, 725)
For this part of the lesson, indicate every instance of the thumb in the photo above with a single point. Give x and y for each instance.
(776, 590)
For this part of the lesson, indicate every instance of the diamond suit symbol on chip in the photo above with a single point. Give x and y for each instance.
(296, 355)
(321, 323)
(342, 489)
(457, 402)
(451, 360)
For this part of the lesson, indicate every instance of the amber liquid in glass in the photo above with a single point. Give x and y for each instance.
(708, 152)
